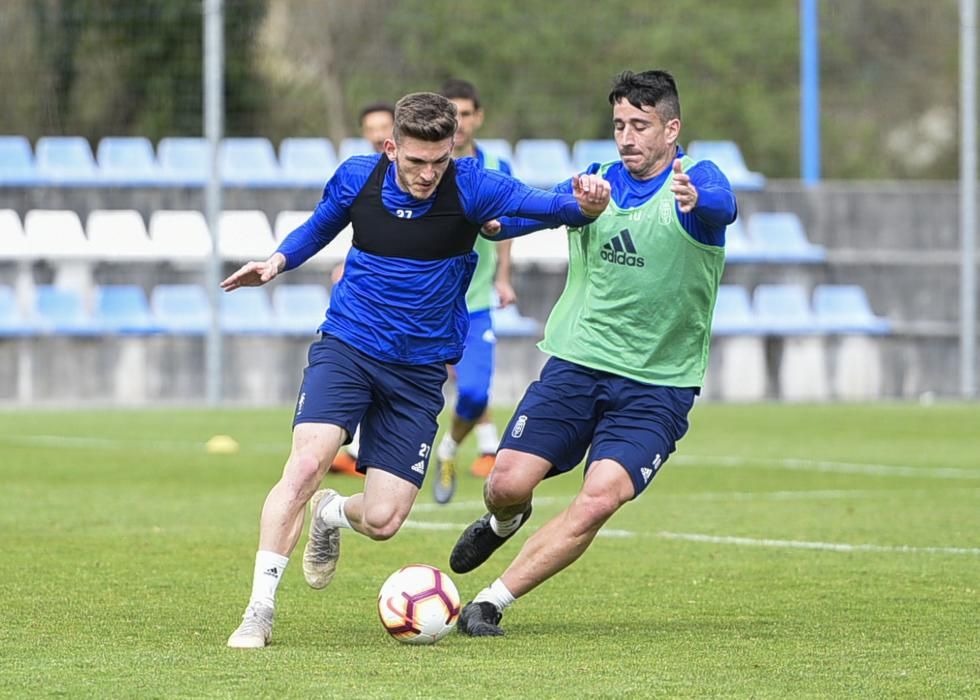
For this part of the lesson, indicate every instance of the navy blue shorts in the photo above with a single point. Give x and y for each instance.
(571, 407)
(397, 406)
(474, 371)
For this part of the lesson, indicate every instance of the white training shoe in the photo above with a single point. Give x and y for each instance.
(323, 545)
(255, 631)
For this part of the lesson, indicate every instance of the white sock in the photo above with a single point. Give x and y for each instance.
(355, 443)
(269, 568)
(447, 448)
(487, 438)
(505, 528)
(332, 513)
(497, 594)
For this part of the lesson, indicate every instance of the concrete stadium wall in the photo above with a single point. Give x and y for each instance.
(899, 241)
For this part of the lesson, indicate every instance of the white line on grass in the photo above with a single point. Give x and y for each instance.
(817, 465)
(741, 541)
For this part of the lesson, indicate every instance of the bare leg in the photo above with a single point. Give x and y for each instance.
(314, 447)
(384, 505)
(565, 537)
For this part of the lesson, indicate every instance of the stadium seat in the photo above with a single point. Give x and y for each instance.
(245, 235)
(728, 157)
(13, 243)
(128, 160)
(299, 308)
(845, 309)
(307, 162)
(733, 312)
(779, 238)
(183, 160)
(498, 147)
(288, 221)
(118, 236)
(249, 162)
(56, 235)
(542, 162)
(354, 146)
(547, 249)
(124, 309)
(181, 309)
(784, 309)
(509, 323)
(17, 165)
(247, 311)
(179, 236)
(739, 248)
(12, 321)
(66, 160)
(62, 311)
(585, 152)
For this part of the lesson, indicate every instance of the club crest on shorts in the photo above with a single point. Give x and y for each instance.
(518, 428)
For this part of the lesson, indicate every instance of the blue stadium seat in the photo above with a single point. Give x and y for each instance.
(779, 237)
(733, 312)
(845, 309)
(354, 146)
(299, 308)
(12, 321)
(62, 311)
(181, 309)
(739, 248)
(127, 160)
(542, 162)
(498, 147)
(249, 162)
(17, 165)
(509, 323)
(66, 160)
(247, 311)
(124, 309)
(585, 152)
(728, 157)
(183, 160)
(307, 162)
(784, 309)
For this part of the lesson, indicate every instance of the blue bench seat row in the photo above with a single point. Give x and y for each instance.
(182, 309)
(130, 161)
(786, 309)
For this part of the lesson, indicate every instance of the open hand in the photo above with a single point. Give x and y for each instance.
(684, 190)
(255, 274)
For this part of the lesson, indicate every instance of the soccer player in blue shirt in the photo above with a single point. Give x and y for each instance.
(395, 319)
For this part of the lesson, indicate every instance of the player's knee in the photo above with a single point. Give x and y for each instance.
(381, 522)
(303, 471)
(504, 486)
(472, 402)
(592, 509)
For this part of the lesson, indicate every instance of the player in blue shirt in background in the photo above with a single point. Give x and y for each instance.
(395, 319)
(491, 284)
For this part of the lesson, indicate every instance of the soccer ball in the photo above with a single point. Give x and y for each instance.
(418, 604)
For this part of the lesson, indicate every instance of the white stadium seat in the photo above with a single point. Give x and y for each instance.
(118, 235)
(180, 236)
(245, 235)
(56, 234)
(547, 249)
(13, 243)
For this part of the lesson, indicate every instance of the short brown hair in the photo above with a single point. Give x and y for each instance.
(425, 116)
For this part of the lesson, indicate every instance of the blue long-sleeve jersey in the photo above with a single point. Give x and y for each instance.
(706, 223)
(406, 310)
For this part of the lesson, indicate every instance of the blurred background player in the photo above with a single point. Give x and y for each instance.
(491, 282)
(377, 121)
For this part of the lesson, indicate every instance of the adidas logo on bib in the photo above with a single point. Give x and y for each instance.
(621, 250)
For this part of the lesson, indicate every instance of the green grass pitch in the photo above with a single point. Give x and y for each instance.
(784, 551)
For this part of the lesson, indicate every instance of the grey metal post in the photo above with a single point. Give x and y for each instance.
(968, 197)
(214, 60)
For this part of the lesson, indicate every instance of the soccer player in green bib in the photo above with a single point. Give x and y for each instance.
(628, 340)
